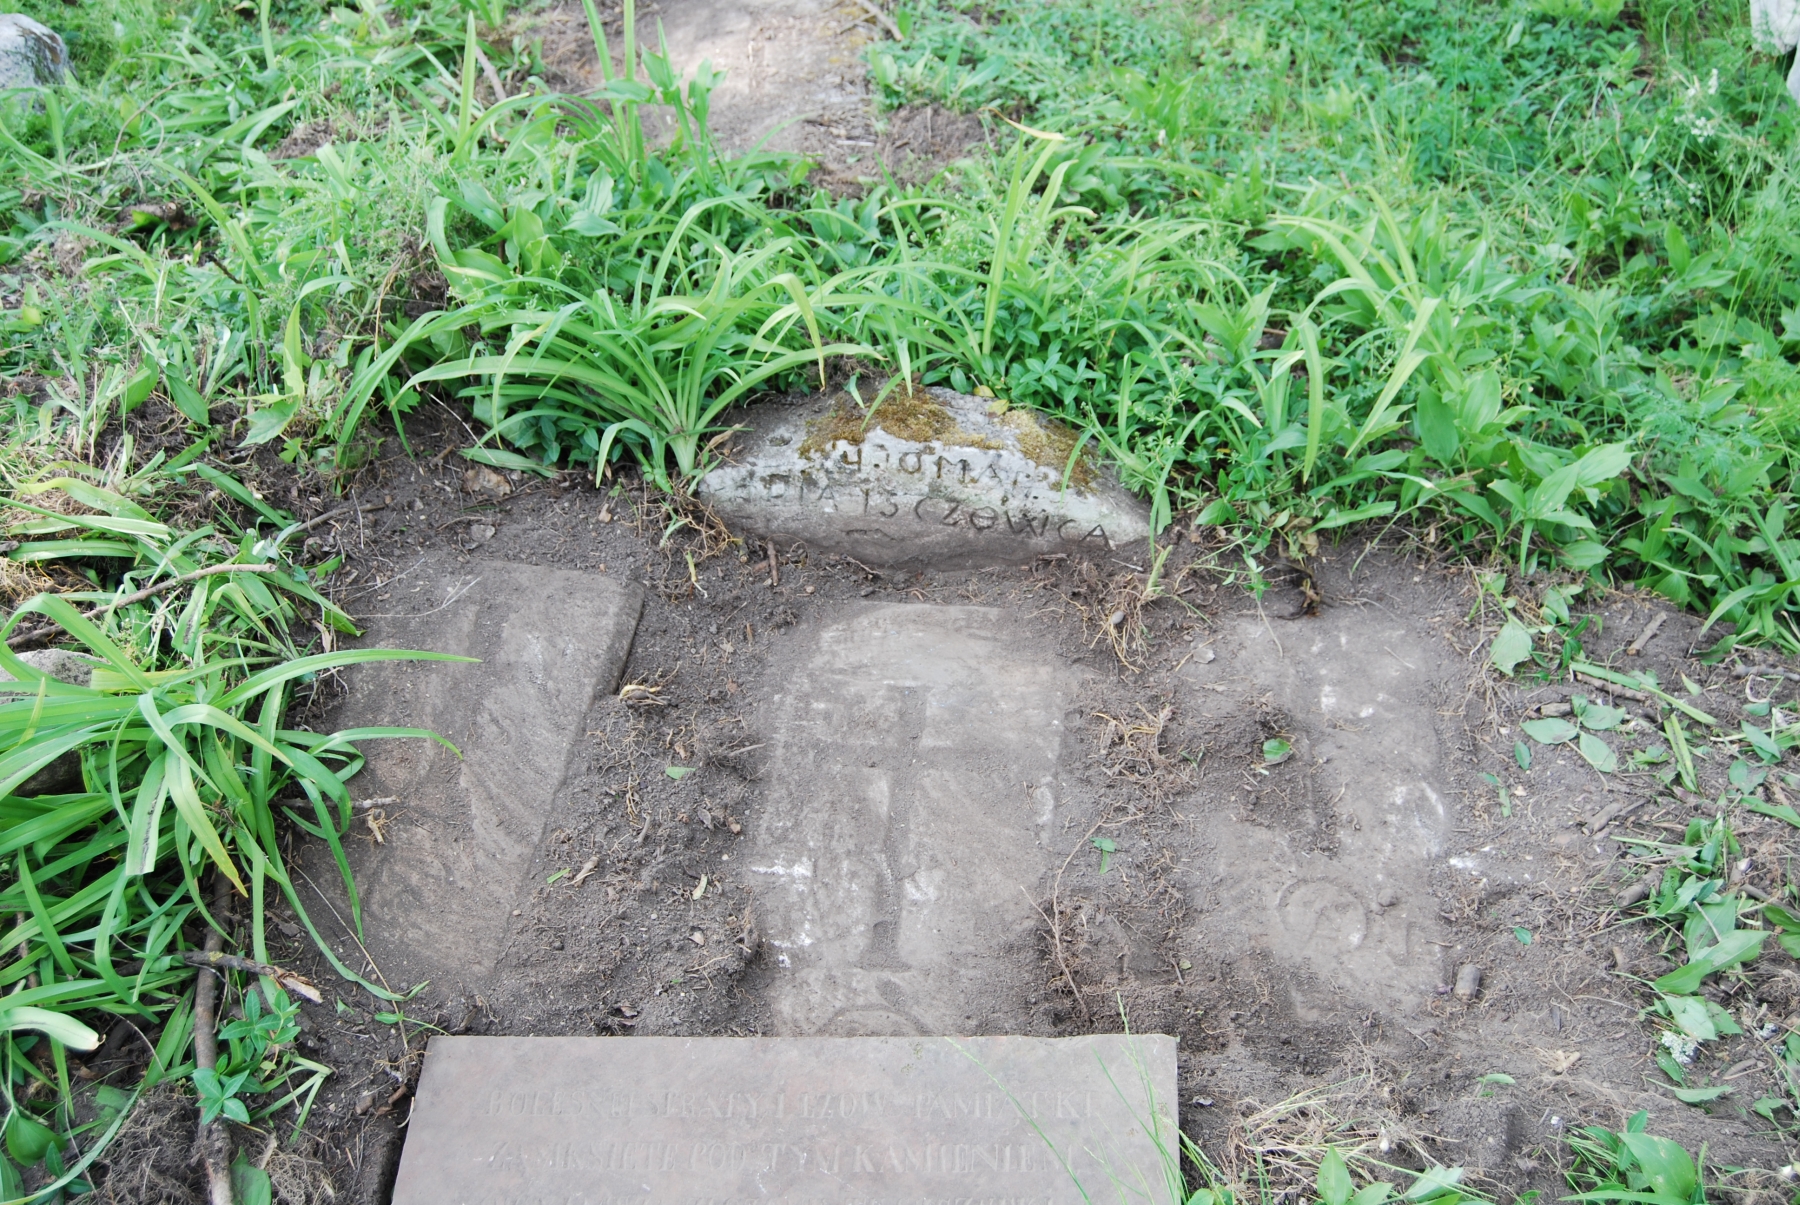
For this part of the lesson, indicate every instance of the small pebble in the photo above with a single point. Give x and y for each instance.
(1468, 981)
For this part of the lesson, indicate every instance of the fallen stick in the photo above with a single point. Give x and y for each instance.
(1640, 891)
(19, 639)
(1637, 646)
(1613, 688)
(214, 1139)
(286, 979)
(887, 22)
(1764, 671)
(339, 513)
(1611, 814)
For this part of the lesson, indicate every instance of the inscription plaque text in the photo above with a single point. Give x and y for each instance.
(820, 1121)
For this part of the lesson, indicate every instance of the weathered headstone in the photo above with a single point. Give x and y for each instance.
(932, 478)
(30, 53)
(816, 1121)
(456, 836)
(910, 808)
(1360, 920)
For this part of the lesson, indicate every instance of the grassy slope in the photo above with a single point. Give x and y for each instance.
(1600, 213)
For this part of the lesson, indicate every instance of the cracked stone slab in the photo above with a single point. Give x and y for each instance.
(649, 1120)
(458, 834)
(912, 802)
(960, 487)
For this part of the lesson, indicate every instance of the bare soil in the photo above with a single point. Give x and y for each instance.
(1247, 908)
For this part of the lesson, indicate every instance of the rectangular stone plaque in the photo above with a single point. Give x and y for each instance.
(460, 831)
(799, 1121)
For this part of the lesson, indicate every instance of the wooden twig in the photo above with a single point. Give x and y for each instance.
(1613, 688)
(1764, 671)
(774, 567)
(184, 579)
(1637, 646)
(21, 639)
(1640, 891)
(287, 980)
(339, 513)
(493, 78)
(1055, 927)
(215, 1140)
(1611, 814)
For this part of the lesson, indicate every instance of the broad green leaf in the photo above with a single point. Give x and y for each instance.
(1690, 1014)
(1667, 1165)
(1598, 753)
(1552, 731)
(1778, 811)
(1739, 946)
(1334, 1179)
(64, 1029)
(1434, 1182)
(1697, 1096)
(501, 459)
(27, 1138)
(1511, 646)
(250, 1185)
(1601, 718)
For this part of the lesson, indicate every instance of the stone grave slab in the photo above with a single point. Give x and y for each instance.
(458, 835)
(932, 479)
(799, 1121)
(1363, 691)
(909, 811)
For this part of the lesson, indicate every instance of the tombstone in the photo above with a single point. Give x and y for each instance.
(908, 821)
(457, 834)
(1362, 693)
(731, 1121)
(932, 478)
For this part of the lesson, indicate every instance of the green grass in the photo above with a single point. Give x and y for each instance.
(1538, 266)
(1521, 278)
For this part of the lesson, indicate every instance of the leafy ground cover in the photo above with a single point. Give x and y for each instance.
(1521, 277)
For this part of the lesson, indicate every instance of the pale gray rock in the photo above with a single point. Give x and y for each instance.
(935, 480)
(62, 776)
(791, 1121)
(61, 664)
(30, 54)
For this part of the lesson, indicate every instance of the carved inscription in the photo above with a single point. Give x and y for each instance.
(709, 1121)
(888, 486)
(1009, 1108)
(848, 492)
